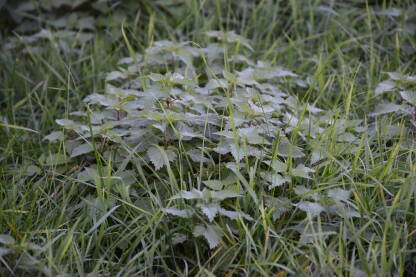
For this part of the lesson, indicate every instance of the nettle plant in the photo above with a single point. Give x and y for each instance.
(405, 87)
(216, 127)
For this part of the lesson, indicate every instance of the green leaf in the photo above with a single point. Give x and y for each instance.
(193, 194)
(386, 108)
(114, 75)
(81, 149)
(275, 180)
(385, 86)
(287, 149)
(224, 194)
(210, 232)
(156, 157)
(302, 171)
(196, 155)
(181, 213)
(67, 123)
(409, 96)
(210, 210)
(55, 136)
(280, 206)
(235, 215)
(338, 194)
(277, 165)
(6, 239)
(314, 209)
(214, 184)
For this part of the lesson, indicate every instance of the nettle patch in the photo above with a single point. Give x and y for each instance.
(210, 129)
(405, 87)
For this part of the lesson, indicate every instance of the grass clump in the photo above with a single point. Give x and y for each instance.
(250, 140)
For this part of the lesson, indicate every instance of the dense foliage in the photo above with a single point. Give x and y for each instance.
(207, 138)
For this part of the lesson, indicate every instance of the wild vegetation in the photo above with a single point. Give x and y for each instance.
(207, 138)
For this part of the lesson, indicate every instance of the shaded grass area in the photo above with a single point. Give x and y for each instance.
(61, 226)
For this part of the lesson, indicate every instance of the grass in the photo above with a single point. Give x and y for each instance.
(65, 226)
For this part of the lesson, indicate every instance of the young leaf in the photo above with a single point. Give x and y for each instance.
(385, 86)
(287, 149)
(81, 149)
(193, 194)
(210, 232)
(114, 75)
(66, 123)
(156, 157)
(210, 210)
(224, 194)
(302, 171)
(409, 96)
(181, 213)
(235, 215)
(214, 184)
(55, 136)
(312, 208)
(6, 239)
(339, 194)
(196, 155)
(386, 108)
(275, 180)
(280, 206)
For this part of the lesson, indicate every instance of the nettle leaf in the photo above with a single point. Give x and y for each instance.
(224, 194)
(114, 75)
(252, 135)
(214, 184)
(387, 108)
(81, 149)
(317, 156)
(55, 136)
(306, 193)
(101, 99)
(6, 239)
(211, 233)
(346, 137)
(275, 180)
(156, 156)
(302, 171)
(210, 210)
(223, 147)
(344, 211)
(196, 155)
(277, 165)
(385, 86)
(237, 152)
(229, 37)
(179, 238)
(67, 123)
(409, 96)
(193, 194)
(235, 215)
(314, 209)
(339, 194)
(280, 206)
(181, 213)
(287, 149)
